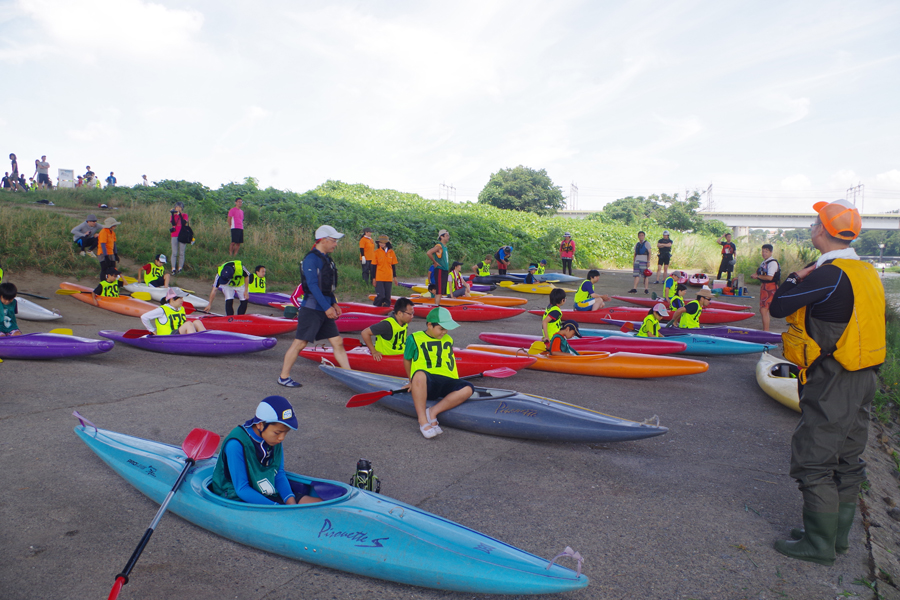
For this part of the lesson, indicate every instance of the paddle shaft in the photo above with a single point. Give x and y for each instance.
(33, 295)
(123, 576)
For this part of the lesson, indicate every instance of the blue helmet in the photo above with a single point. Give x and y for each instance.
(277, 409)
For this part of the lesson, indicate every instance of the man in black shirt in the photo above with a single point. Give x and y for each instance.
(665, 255)
(728, 258)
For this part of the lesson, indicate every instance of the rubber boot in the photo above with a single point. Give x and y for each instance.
(846, 514)
(817, 544)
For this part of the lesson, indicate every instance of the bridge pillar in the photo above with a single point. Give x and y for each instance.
(740, 231)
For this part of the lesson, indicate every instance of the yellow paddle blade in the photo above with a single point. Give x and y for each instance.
(142, 296)
(188, 291)
(537, 347)
(69, 292)
(128, 279)
(62, 331)
(505, 284)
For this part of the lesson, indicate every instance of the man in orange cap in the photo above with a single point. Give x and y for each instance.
(835, 312)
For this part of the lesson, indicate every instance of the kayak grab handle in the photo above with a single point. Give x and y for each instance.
(83, 420)
(569, 552)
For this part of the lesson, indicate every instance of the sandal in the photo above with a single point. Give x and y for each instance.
(429, 430)
(432, 421)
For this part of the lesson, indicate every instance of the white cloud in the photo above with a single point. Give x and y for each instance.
(843, 180)
(796, 182)
(791, 109)
(889, 179)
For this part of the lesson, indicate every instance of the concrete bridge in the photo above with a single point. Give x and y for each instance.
(743, 222)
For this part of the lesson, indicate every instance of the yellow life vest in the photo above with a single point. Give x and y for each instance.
(1, 275)
(257, 284)
(582, 295)
(237, 279)
(650, 327)
(435, 356)
(540, 270)
(484, 270)
(862, 345)
(553, 326)
(670, 291)
(109, 290)
(396, 344)
(691, 321)
(155, 273)
(454, 282)
(174, 320)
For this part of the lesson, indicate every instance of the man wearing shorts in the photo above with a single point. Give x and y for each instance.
(236, 223)
(43, 173)
(233, 279)
(665, 256)
(769, 275)
(438, 256)
(319, 309)
(431, 366)
(641, 260)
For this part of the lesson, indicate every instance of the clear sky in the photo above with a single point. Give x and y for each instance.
(776, 104)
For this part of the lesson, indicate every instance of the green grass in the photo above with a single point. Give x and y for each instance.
(887, 399)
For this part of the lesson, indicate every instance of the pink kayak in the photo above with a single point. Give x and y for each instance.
(595, 344)
(650, 303)
(354, 321)
(633, 313)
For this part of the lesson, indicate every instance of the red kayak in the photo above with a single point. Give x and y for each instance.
(593, 344)
(709, 315)
(473, 312)
(698, 279)
(354, 321)
(361, 307)
(468, 362)
(260, 325)
(650, 303)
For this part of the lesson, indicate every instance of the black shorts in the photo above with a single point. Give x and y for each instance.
(664, 259)
(313, 325)
(440, 278)
(43, 178)
(158, 282)
(237, 236)
(440, 385)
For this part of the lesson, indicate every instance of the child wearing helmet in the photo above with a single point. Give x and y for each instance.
(251, 462)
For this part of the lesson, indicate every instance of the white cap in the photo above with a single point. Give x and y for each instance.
(665, 232)
(327, 231)
(661, 309)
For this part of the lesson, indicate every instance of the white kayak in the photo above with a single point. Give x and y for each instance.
(778, 378)
(158, 293)
(30, 311)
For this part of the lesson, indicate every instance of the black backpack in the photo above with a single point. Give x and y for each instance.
(185, 234)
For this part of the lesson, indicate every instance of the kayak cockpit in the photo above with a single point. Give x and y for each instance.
(329, 492)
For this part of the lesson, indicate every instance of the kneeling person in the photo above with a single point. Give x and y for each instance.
(170, 318)
(432, 371)
(251, 464)
(390, 334)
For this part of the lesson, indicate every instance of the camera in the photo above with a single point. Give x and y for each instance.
(171, 230)
(172, 211)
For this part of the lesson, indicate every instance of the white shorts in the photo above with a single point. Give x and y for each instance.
(231, 292)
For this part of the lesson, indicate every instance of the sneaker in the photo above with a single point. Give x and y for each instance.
(656, 283)
(82, 253)
(288, 382)
(646, 291)
(91, 254)
(632, 291)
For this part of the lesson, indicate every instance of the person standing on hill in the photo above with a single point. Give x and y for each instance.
(319, 309)
(111, 180)
(835, 311)
(367, 254)
(665, 255)
(236, 223)
(567, 252)
(439, 257)
(177, 218)
(728, 256)
(641, 260)
(384, 262)
(14, 174)
(769, 276)
(42, 167)
(107, 251)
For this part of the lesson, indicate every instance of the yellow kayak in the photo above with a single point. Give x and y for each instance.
(484, 298)
(529, 288)
(773, 375)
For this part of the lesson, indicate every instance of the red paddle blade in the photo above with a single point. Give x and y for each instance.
(351, 343)
(200, 444)
(627, 327)
(367, 398)
(133, 334)
(188, 307)
(500, 373)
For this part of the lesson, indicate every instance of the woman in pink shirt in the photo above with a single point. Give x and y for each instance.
(236, 222)
(177, 219)
(567, 252)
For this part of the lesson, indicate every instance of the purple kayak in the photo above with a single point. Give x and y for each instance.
(202, 343)
(51, 345)
(265, 298)
(743, 334)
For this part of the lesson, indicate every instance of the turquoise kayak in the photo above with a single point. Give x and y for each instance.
(350, 530)
(697, 345)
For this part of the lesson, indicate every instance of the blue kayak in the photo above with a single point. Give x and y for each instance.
(507, 413)
(350, 530)
(697, 345)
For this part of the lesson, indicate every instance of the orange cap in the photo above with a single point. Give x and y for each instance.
(839, 218)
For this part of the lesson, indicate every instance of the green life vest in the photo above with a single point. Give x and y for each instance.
(582, 295)
(671, 288)
(691, 321)
(262, 479)
(155, 273)
(1, 275)
(109, 290)
(676, 302)
(650, 327)
(435, 356)
(484, 269)
(563, 344)
(554, 325)
(174, 320)
(396, 344)
(540, 270)
(257, 284)
(237, 280)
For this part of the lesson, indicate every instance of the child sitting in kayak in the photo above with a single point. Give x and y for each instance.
(256, 281)
(8, 309)
(457, 287)
(559, 343)
(552, 320)
(677, 300)
(650, 326)
(432, 291)
(530, 278)
(154, 273)
(251, 463)
(587, 298)
(110, 287)
(170, 318)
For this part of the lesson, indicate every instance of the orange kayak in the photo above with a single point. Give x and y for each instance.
(625, 365)
(444, 301)
(123, 305)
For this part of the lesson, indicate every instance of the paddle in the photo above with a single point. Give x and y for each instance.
(373, 397)
(145, 296)
(133, 334)
(351, 343)
(199, 444)
(33, 295)
(62, 331)
(626, 327)
(70, 292)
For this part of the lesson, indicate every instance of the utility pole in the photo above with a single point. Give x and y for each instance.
(572, 203)
(710, 205)
(859, 191)
(446, 188)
